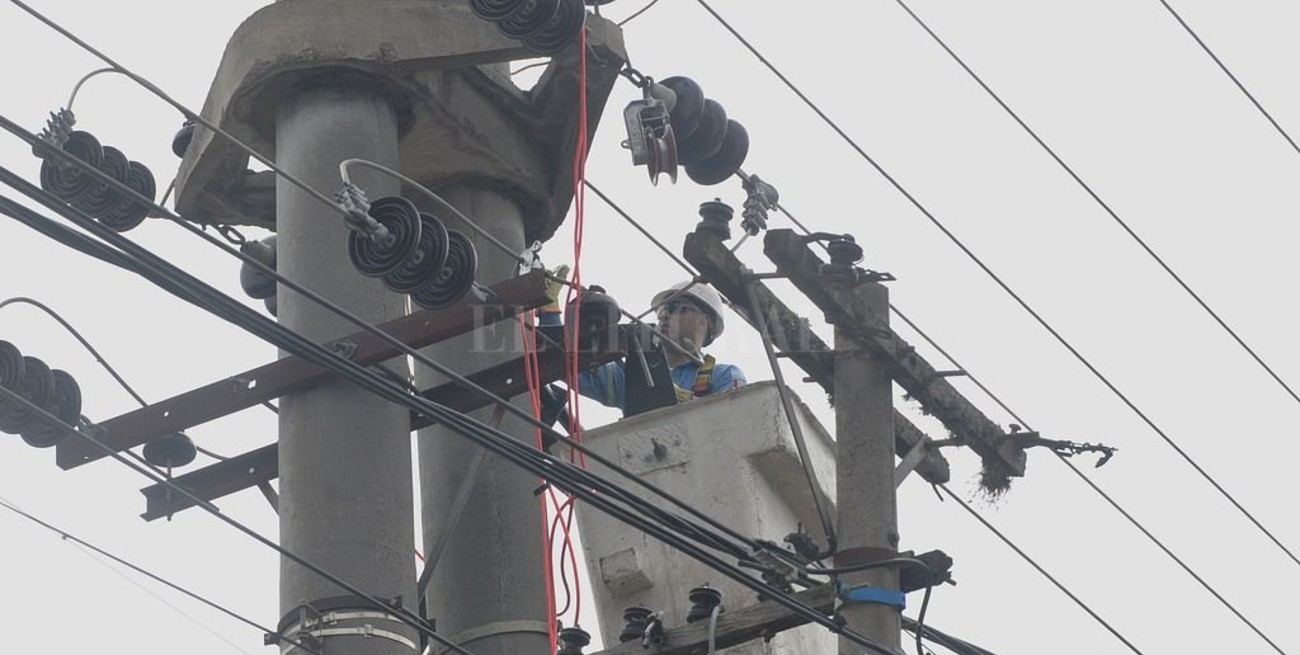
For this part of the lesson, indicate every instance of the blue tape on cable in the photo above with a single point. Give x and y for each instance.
(875, 595)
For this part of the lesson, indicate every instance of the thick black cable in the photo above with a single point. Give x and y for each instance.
(150, 574)
(971, 510)
(546, 466)
(1232, 77)
(1005, 287)
(749, 544)
(959, 646)
(1102, 203)
(1087, 480)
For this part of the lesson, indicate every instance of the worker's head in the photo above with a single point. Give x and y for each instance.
(690, 311)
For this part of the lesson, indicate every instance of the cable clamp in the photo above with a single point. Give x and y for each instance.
(874, 595)
(356, 216)
(57, 130)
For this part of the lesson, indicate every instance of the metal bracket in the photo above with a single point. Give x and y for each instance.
(344, 349)
(310, 631)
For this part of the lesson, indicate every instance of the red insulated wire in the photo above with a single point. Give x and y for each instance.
(532, 377)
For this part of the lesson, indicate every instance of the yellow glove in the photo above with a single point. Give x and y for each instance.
(553, 288)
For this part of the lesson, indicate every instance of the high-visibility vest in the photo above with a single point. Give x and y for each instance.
(703, 382)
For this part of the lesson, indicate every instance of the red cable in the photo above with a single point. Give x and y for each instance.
(532, 377)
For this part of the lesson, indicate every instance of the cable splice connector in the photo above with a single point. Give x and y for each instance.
(761, 198)
(57, 130)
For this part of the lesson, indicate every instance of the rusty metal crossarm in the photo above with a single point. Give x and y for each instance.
(291, 374)
(793, 257)
(258, 466)
(796, 340)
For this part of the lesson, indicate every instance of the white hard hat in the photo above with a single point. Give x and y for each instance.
(705, 296)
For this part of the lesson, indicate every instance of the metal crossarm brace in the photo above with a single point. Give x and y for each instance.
(796, 340)
(291, 374)
(258, 466)
(793, 257)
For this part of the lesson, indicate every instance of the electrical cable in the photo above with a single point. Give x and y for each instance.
(638, 12)
(1087, 480)
(80, 243)
(67, 536)
(1077, 601)
(1086, 187)
(959, 646)
(182, 284)
(1232, 77)
(1005, 287)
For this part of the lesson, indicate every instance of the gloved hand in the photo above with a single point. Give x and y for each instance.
(554, 287)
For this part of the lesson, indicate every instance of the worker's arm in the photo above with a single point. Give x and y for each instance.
(604, 384)
(727, 377)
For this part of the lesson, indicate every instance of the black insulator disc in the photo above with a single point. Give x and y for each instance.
(258, 283)
(181, 142)
(376, 258)
(36, 386)
(272, 305)
(685, 116)
(428, 260)
(727, 161)
(102, 197)
(11, 369)
(170, 451)
(560, 30)
(532, 16)
(64, 404)
(495, 9)
(707, 138)
(66, 180)
(129, 212)
(456, 277)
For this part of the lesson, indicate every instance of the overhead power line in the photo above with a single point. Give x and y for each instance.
(1102, 203)
(1005, 287)
(67, 536)
(1250, 96)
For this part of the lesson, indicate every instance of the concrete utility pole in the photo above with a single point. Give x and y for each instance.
(420, 86)
(867, 522)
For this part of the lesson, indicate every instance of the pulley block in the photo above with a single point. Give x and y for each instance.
(689, 108)
(456, 277)
(707, 138)
(376, 257)
(129, 212)
(531, 17)
(103, 197)
(172, 451)
(64, 404)
(429, 258)
(495, 9)
(257, 283)
(560, 30)
(36, 386)
(728, 159)
(11, 368)
(663, 156)
(67, 181)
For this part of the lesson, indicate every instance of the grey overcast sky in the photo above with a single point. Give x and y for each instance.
(1123, 94)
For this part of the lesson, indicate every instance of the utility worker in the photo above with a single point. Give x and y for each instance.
(690, 315)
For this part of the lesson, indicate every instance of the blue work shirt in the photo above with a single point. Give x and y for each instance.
(606, 384)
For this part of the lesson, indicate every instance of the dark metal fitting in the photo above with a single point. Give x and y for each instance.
(703, 600)
(654, 633)
(635, 619)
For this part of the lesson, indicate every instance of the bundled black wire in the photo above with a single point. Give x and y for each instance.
(575, 481)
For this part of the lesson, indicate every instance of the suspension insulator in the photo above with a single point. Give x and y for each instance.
(686, 113)
(456, 277)
(495, 9)
(272, 305)
(379, 257)
(707, 138)
(181, 142)
(171, 451)
(36, 386)
(258, 283)
(64, 404)
(11, 369)
(67, 181)
(102, 198)
(560, 30)
(428, 260)
(531, 17)
(726, 161)
(129, 213)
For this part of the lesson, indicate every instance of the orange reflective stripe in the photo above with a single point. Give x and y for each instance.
(704, 378)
